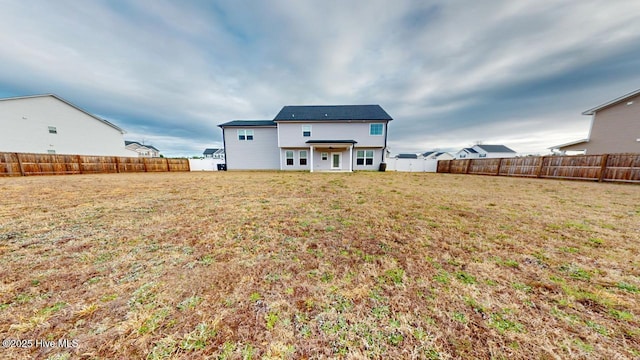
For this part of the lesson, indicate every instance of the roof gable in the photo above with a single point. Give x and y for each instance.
(332, 112)
(68, 103)
(612, 102)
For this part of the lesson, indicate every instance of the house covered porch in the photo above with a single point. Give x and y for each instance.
(331, 155)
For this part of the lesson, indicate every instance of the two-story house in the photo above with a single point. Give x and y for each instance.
(314, 138)
(615, 128)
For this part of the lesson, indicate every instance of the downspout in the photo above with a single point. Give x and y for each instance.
(224, 145)
(384, 150)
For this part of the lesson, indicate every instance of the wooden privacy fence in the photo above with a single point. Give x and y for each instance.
(21, 164)
(607, 167)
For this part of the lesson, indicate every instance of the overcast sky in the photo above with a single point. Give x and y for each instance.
(450, 73)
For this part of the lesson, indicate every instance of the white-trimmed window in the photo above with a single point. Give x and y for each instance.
(51, 151)
(303, 157)
(364, 157)
(324, 156)
(245, 134)
(289, 156)
(53, 130)
(482, 155)
(376, 129)
(306, 130)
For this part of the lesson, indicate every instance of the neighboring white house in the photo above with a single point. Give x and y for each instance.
(425, 162)
(213, 153)
(50, 124)
(481, 151)
(438, 155)
(142, 150)
(314, 138)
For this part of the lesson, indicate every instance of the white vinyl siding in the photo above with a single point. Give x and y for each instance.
(42, 123)
(291, 134)
(259, 154)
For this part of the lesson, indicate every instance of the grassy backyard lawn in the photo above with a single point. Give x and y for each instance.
(273, 265)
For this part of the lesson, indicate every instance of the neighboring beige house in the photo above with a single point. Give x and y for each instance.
(142, 149)
(48, 124)
(615, 128)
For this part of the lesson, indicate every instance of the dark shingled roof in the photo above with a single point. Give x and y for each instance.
(127, 142)
(209, 151)
(332, 112)
(495, 148)
(407, 156)
(248, 123)
(470, 150)
(428, 153)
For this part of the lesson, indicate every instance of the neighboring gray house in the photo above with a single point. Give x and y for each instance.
(214, 153)
(615, 128)
(481, 151)
(314, 138)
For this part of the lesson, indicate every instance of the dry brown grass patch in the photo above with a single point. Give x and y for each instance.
(297, 265)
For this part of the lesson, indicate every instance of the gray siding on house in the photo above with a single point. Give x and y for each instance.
(290, 133)
(614, 129)
(261, 153)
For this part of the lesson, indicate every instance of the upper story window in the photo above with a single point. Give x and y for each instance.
(53, 130)
(306, 130)
(483, 155)
(375, 129)
(245, 134)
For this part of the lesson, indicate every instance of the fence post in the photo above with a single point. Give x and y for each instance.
(499, 165)
(539, 174)
(167, 161)
(117, 164)
(144, 162)
(20, 164)
(603, 167)
(79, 164)
(466, 171)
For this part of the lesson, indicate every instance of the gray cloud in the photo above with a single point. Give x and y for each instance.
(449, 72)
